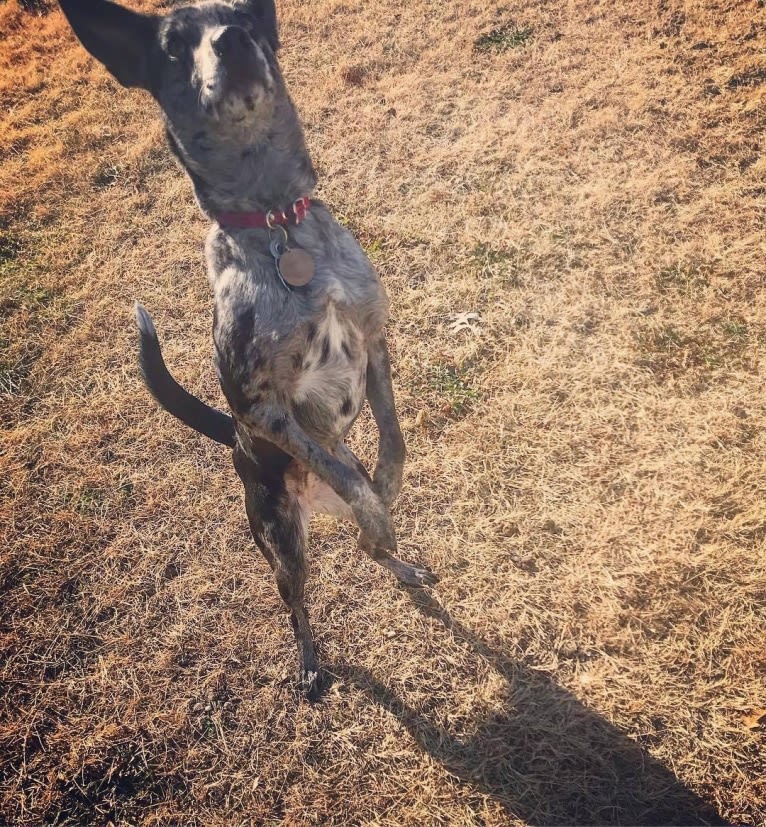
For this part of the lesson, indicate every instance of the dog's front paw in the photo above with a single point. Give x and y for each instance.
(373, 519)
(387, 481)
(415, 576)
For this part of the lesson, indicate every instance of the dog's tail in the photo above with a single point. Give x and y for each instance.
(171, 396)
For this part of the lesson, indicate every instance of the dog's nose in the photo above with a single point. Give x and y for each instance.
(230, 42)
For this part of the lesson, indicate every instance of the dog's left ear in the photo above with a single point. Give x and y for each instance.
(265, 13)
(117, 37)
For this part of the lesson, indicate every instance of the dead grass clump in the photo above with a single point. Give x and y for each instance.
(354, 74)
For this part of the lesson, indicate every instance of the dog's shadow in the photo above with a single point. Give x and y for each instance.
(545, 757)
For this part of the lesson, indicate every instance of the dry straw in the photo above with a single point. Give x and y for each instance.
(586, 468)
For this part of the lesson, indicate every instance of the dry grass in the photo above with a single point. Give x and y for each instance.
(586, 468)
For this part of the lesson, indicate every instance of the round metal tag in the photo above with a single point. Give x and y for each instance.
(296, 267)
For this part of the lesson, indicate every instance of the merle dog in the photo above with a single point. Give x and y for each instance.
(299, 312)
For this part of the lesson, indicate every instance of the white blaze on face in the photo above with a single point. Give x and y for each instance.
(252, 105)
(208, 70)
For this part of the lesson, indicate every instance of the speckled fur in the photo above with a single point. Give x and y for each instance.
(295, 365)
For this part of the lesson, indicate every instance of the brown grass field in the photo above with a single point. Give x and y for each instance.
(586, 460)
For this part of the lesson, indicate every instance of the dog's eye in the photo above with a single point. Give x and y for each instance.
(176, 46)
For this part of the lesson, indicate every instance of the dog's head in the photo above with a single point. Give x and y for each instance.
(212, 61)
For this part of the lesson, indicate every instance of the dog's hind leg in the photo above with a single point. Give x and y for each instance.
(279, 527)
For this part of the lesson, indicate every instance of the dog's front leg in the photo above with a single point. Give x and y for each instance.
(387, 478)
(370, 512)
(407, 573)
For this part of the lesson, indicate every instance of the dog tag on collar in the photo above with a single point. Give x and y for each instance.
(296, 267)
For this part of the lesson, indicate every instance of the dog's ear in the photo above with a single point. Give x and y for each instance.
(265, 14)
(117, 37)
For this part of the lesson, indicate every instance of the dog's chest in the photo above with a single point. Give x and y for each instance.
(328, 388)
(296, 352)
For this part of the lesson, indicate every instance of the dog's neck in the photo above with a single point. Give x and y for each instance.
(255, 171)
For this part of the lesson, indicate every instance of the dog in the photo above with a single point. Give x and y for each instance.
(299, 312)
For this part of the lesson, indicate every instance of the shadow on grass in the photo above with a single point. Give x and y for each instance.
(545, 757)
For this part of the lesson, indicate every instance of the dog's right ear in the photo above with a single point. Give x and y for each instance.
(265, 14)
(117, 37)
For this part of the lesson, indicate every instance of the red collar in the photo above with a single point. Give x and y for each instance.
(293, 214)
